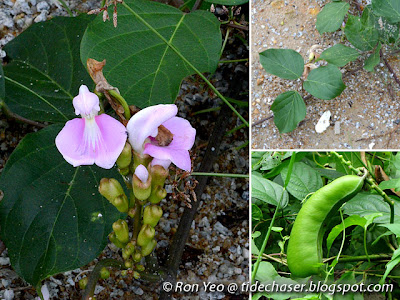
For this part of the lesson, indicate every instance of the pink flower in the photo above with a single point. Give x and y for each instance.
(92, 139)
(143, 128)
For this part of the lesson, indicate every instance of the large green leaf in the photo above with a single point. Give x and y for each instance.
(45, 71)
(289, 109)
(52, 217)
(373, 60)
(331, 16)
(390, 9)
(284, 63)
(361, 34)
(144, 68)
(340, 55)
(304, 180)
(388, 33)
(267, 191)
(228, 2)
(325, 82)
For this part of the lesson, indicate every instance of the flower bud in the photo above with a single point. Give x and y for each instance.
(129, 248)
(83, 283)
(124, 272)
(113, 239)
(132, 212)
(125, 158)
(140, 159)
(145, 235)
(149, 247)
(157, 194)
(110, 188)
(137, 256)
(121, 203)
(136, 274)
(158, 175)
(140, 268)
(124, 172)
(152, 214)
(141, 182)
(128, 264)
(104, 273)
(121, 230)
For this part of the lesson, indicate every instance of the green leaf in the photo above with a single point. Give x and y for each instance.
(331, 16)
(303, 181)
(391, 265)
(324, 82)
(267, 191)
(373, 60)
(390, 184)
(45, 71)
(228, 2)
(361, 35)
(390, 9)
(395, 228)
(289, 109)
(284, 63)
(350, 221)
(339, 55)
(52, 217)
(271, 160)
(256, 213)
(146, 70)
(364, 204)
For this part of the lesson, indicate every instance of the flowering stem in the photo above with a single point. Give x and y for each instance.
(187, 62)
(121, 101)
(137, 220)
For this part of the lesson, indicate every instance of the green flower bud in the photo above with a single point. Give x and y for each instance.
(124, 172)
(157, 194)
(141, 188)
(128, 264)
(129, 248)
(140, 159)
(136, 274)
(121, 203)
(152, 214)
(137, 256)
(149, 247)
(158, 175)
(121, 230)
(104, 273)
(145, 235)
(125, 256)
(132, 212)
(83, 283)
(110, 188)
(140, 268)
(125, 158)
(113, 239)
(124, 272)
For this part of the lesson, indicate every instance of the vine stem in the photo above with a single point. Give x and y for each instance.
(121, 101)
(11, 115)
(391, 70)
(371, 183)
(266, 238)
(187, 62)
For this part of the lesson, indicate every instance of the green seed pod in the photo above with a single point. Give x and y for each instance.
(146, 234)
(110, 188)
(125, 158)
(149, 247)
(113, 239)
(104, 273)
(304, 253)
(121, 230)
(157, 194)
(83, 283)
(152, 214)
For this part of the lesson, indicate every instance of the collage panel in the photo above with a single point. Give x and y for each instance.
(325, 225)
(325, 74)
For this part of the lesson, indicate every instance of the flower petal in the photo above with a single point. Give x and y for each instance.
(184, 133)
(86, 103)
(142, 173)
(179, 157)
(161, 162)
(87, 141)
(145, 123)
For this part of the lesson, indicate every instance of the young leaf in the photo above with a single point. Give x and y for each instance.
(303, 181)
(45, 71)
(289, 109)
(339, 55)
(52, 217)
(331, 17)
(350, 221)
(361, 35)
(390, 9)
(373, 60)
(146, 70)
(284, 63)
(324, 82)
(267, 191)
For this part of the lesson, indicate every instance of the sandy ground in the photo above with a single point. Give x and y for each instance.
(368, 109)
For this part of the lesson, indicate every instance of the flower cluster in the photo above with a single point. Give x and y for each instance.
(99, 139)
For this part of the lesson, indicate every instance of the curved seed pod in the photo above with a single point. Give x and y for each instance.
(304, 253)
